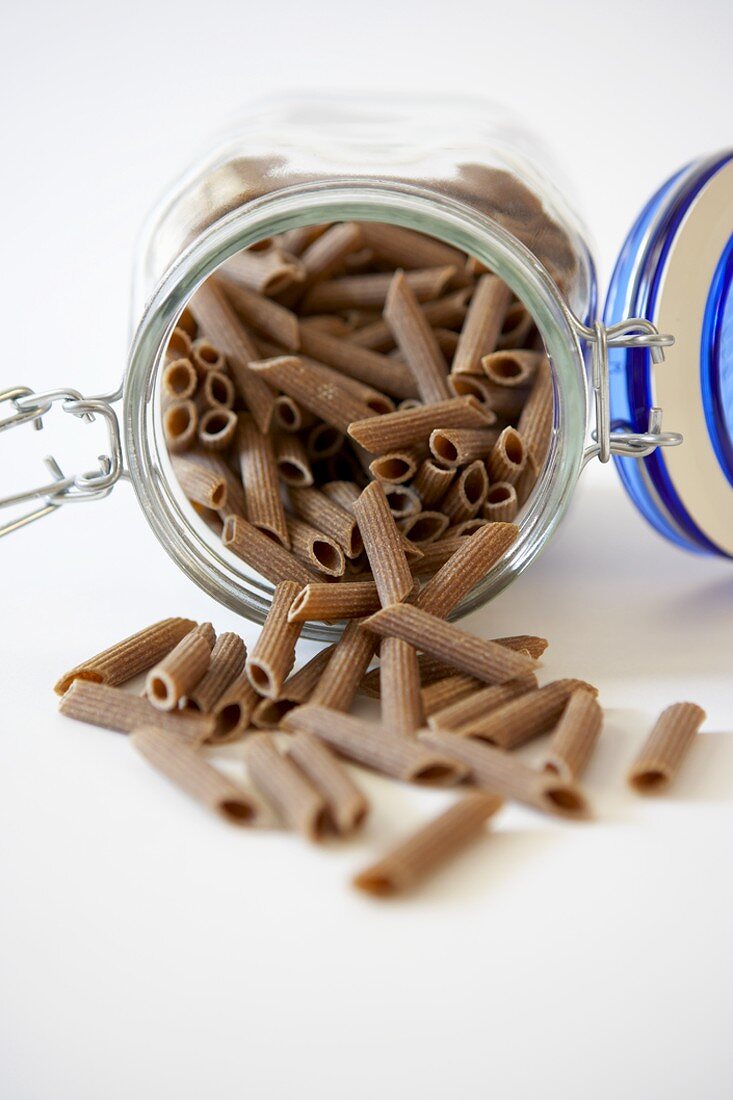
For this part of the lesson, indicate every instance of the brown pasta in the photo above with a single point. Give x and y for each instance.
(409, 249)
(285, 787)
(505, 775)
(403, 501)
(323, 441)
(265, 316)
(537, 417)
(422, 853)
(179, 380)
(115, 709)
(262, 554)
(326, 515)
(482, 326)
(525, 717)
(289, 416)
(370, 291)
(517, 327)
(346, 806)
(217, 390)
(442, 693)
(416, 341)
(217, 428)
(180, 671)
(188, 769)
(432, 482)
(483, 659)
(467, 493)
(128, 658)
(375, 747)
(382, 543)
(201, 477)
(459, 446)
(266, 271)
(466, 527)
(206, 356)
(471, 560)
(258, 467)
(343, 493)
(378, 371)
(501, 504)
(502, 401)
(233, 711)
(295, 241)
(273, 655)
(525, 643)
(574, 736)
(331, 603)
(448, 343)
(179, 345)
(227, 661)
(508, 457)
(349, 661)
(424, 527)
(512, 368)
(312, 389)
(436, 554)
(665, 748)
(396, 467)
(461, 712)
(316, 549)
(405, 428)
(298, 688)
(399, 683)
(328, 251)
(292, 460)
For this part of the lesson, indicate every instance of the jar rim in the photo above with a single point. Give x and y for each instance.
(189, 542)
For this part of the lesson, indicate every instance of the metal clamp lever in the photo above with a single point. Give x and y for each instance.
(92, 485)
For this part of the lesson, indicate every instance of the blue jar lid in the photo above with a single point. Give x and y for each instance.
(676, 269)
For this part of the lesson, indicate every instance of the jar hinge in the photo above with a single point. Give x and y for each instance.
(634, 332)
(30, 407)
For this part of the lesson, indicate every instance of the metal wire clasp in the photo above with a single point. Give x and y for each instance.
(635, 332)
(92, 485)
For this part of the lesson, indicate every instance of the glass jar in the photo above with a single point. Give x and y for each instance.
(458, 170)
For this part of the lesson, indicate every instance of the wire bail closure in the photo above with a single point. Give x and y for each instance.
(30, 407)
(634, 332)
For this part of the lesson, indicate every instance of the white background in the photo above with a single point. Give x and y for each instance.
(148, 951)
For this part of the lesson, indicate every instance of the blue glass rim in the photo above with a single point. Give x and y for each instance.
(716, 361)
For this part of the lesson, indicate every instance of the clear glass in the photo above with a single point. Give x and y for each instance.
(455, 169)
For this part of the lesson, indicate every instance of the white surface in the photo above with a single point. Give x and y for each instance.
(147, 951)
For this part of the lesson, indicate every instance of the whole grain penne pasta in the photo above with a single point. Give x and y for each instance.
(517, 327)
(436, 554)
(331, 603)
(115, 709)
(574, 737)
(201, 477)
(216, 316)
(180, 426)
(501, 504)
(416, 341)
(346, 806)
(297, 689)
(536, 420)
(323, 441)
(292, 460)
(512, 368)
(349, 661)
(128, 658)
(289, 416)
(326, 515)
(285, 787)
(188, 769)
(367, 366)
(508, 457)
(178, 346)
(343, 493)
(526, 717)
(527, 480)
(374, 746)
(448, 312)
(266, 271)
(432, 482)
(312, 389)
(525, 643)
(227, 661)
(179, 381)
(233, 711)
(477, 703)
(264, 315)
(471, 559)
(217, 428)
(405, 428)
(206, 356)
(505, 775)
(395, 467)
(217, 390)
(178, 673)
(316, 549)
(425, 850)
(295, 241)
(442, 693)
(403, 501)
(331, 323)
(273, 654)
(459, 446)
(377, 336)
(478, 657)
(424, 527)
(383, 546)
(258, 467)
(399, 685)
(466, 527)
(467, 494)
(447, 342)
(262, 554)
(665, 748)
(483, 324)
(187, 323)
(369, 291)
(235, 504)
(327, 252)
(501, 400)
(409, 249)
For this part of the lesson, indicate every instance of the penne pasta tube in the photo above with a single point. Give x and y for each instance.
(432, 482)
(264, 315)
(285, 787)
(180, 426)
(460, 446)
(266, 271)
(188, 769)
(179, 381)
(258, 467)
(403, 501)
(526, 717)
(187, 323)
(292, 460)
(482, 326)
(471, 560)
(216, 316)
(665, 748)
(408, 248)
(396, 467)
(478, 657)
(574, 737)
(178, 673)
(312, 389)
(370, 291)
(330, 323)
(323, 441)
(235, 504)
(436, 554)
(443, 687)
(115, 709)
(289, 416)
(298, 688)
(442, 693)
(505, 775)
(527, 480)
(217, 390)
(327, 252)
(128, 658)
(448, 312)
(233, 711)
(381, 373)
(477, 703)
(399, 686)
(501, 504)
(343, 493)
(447, 342)
(466, 527)
(508, 457)
(383, 546)
(346, 806)
(500, 400)
(326, 515)
(273, 655)
(424, 527)
(295, 241)
(349, 661)
(467, 494)
(227, 661)
(517, 327)
(525, 643)
(217, 428)
(179, 345)
(331, 603)
(405, 428)
(536, 420)
(376, 747)
(416, 341)
(261, 553)
(315, 549)
(206, 356)
(425, 850)
(201, 477)
(512, 368)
